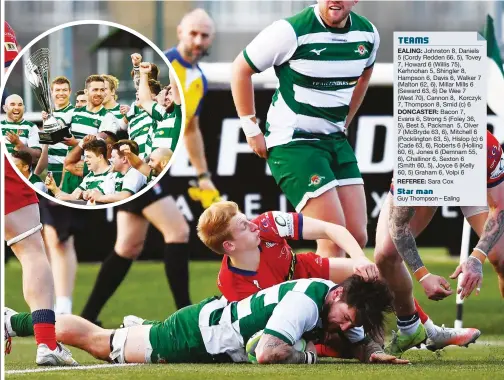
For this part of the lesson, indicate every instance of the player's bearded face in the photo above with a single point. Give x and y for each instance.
(15, 111)
(196, 40)
(61, 94)
(335, 12)
(338, 316)
(155, 164)
(96, 93)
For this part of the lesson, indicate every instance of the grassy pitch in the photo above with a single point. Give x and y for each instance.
(145, 293)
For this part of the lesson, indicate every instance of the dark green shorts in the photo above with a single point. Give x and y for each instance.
(306, 169)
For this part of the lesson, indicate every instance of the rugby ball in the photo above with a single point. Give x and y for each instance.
(251, 345)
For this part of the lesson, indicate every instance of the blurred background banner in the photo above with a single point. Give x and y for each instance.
(239, 174)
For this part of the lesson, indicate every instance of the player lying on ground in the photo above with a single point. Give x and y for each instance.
(216, 330)
(395, 242)
(22, 233)
(491, 242)
(256, 254)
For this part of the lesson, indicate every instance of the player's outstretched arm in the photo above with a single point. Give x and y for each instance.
(174, 89)
(144, 95)
(314, 229)
(43, 160)
(435, 287)
(493, 231)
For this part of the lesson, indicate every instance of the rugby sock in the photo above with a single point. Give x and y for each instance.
(112, 272)
(44, 321)
(408, 324)
(176, 260)
(63, 305)
(423, 316)
(21, 324)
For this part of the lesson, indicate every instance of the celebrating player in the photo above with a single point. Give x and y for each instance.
(257, 256)
(20, 134)
(323, 58)
(490, 231)
(22, 233)
(215, 330)
(23, 161)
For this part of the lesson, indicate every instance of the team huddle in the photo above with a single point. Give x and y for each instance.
(94, 164)
(332, 302)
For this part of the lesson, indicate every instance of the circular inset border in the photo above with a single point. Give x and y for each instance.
(182, 99)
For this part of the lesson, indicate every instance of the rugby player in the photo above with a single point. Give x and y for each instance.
(80, 99)
(490, 230)
(156, 207)
(395, 246)
(256, 254)
(20, 134)
(195, 33)
(22, 233)
(95, 153)
(158, 160)
(217, 331)
(323, 58)
(123, 181)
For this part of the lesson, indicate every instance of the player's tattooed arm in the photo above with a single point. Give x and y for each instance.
(402, 236)
(494, 228)
(272, 350)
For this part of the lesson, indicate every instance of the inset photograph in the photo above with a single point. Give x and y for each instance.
(91, 121)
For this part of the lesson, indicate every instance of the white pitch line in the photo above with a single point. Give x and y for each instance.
(77, 368)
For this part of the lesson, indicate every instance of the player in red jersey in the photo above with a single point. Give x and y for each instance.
(22, 233)
(257, 255)
(491, 242)
(10, 45)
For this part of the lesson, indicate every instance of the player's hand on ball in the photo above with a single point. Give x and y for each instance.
(136, 59)
(145, 68)
(436, 287)
(366, 269)
(258, 145)
(383, 358)
(472, 276)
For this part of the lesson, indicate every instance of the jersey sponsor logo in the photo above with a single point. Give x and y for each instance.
(315, 180)
(9, 46)
(499, 170)
(318, 51)
(361, 49)
(285, 252)
(264, 225)
(269, 244)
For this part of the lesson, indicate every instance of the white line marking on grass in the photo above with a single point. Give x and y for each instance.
(78, 368)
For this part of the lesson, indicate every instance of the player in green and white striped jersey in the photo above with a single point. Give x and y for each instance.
(60, 91)
(167, 112)
(95, 156)
(20, 134)
(123, 181)
(110, 100)
(215, 330)
(89, 120)
(323, 58)
(140, 123)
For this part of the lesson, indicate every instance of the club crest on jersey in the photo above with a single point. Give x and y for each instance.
(96, 123)
(315, 180)
(9, 46)
(361, 49)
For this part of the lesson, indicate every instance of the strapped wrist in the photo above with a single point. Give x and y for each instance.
(250, 128)
(479, 254)
(421, 274)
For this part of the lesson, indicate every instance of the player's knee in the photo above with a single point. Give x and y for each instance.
(177, 235)
(129, 251)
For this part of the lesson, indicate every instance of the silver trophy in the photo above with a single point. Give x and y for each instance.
(37, 73)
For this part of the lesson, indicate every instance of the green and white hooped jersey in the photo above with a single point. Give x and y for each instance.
(26, 130)
(116, 112)
(132, 181)
(86, 123)
(94, 181)
(318, 68)
(286, 311)
(168, 127)
(57, 152)
(140, 127)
